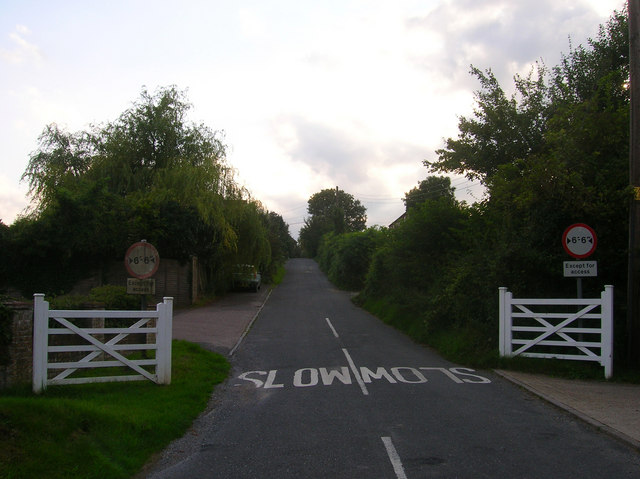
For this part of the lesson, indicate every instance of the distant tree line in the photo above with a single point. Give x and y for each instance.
(552, 154)
(150, 174)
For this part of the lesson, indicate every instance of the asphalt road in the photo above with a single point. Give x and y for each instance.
(322, 389)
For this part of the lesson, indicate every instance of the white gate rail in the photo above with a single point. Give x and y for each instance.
(48, 323)
(577, 329)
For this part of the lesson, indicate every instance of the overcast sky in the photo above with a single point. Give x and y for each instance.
(310, 94)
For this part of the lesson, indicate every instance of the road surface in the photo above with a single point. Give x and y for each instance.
(322, 389)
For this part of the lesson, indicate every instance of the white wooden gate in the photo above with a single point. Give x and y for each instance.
(577, 329)
(103, 346)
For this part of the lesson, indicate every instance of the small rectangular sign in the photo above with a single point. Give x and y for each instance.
(141, 286)
(578, 269)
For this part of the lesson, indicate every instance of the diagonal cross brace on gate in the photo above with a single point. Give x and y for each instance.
(106, 348)
(517, 328)
(549, 328)
(91, 356)
(96, 347)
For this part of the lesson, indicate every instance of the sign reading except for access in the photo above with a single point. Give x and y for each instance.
(579, 269)
(141, 286)
(579, 240)
(142, 260)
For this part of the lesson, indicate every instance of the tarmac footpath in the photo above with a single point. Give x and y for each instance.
(613, 408)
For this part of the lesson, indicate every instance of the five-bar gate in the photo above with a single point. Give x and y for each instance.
(578, 329)
(100, 339)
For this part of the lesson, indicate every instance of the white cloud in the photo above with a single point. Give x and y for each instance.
(506, 36)
(252, 24)
(22, 51)
(12, 199)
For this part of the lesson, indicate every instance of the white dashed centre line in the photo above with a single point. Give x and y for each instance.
(333, 330)
(356, 373)
(354, 369)
(394, 458)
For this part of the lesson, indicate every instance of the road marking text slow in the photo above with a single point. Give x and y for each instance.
(308, 377)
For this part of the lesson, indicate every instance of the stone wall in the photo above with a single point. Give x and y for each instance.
(172, 279)
(20, 366)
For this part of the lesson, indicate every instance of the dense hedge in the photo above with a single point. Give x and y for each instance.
(346, 258)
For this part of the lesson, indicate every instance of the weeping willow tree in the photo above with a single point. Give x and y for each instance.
(149, 174)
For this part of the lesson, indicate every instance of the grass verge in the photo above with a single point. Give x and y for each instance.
(104, 430)
(278, 276)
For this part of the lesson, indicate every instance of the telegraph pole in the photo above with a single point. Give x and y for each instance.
(633, 287)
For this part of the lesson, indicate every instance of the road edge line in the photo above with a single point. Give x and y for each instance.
(246, 330)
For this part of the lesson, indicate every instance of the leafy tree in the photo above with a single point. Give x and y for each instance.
(331, 210)
(149, 174)
(282, 244)
(311, 234)
(153, 137)
(253, 245)
(600, 69)
(553, 154)
(502, 130)
(428, 189)
(60, 160)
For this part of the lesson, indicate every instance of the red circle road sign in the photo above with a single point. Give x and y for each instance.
(579, 240)
(142, 260)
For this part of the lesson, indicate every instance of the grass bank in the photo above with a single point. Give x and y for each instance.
(104, 430)
(278, 276)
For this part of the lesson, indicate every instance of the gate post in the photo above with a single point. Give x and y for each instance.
(40, 342)
(505, 321)
(163, 351)
(606, 351)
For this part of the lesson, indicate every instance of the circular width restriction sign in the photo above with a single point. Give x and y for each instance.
(142, 260)
(579, 240)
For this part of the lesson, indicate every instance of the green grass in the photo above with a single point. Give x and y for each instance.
(104, 430)
(278, 276)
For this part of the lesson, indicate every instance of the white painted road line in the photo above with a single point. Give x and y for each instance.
(394, 458)
(246, 330)
(356, 373)
(332, 328)
(352, 365)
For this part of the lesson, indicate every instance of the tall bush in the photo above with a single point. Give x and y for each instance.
(346, 258)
